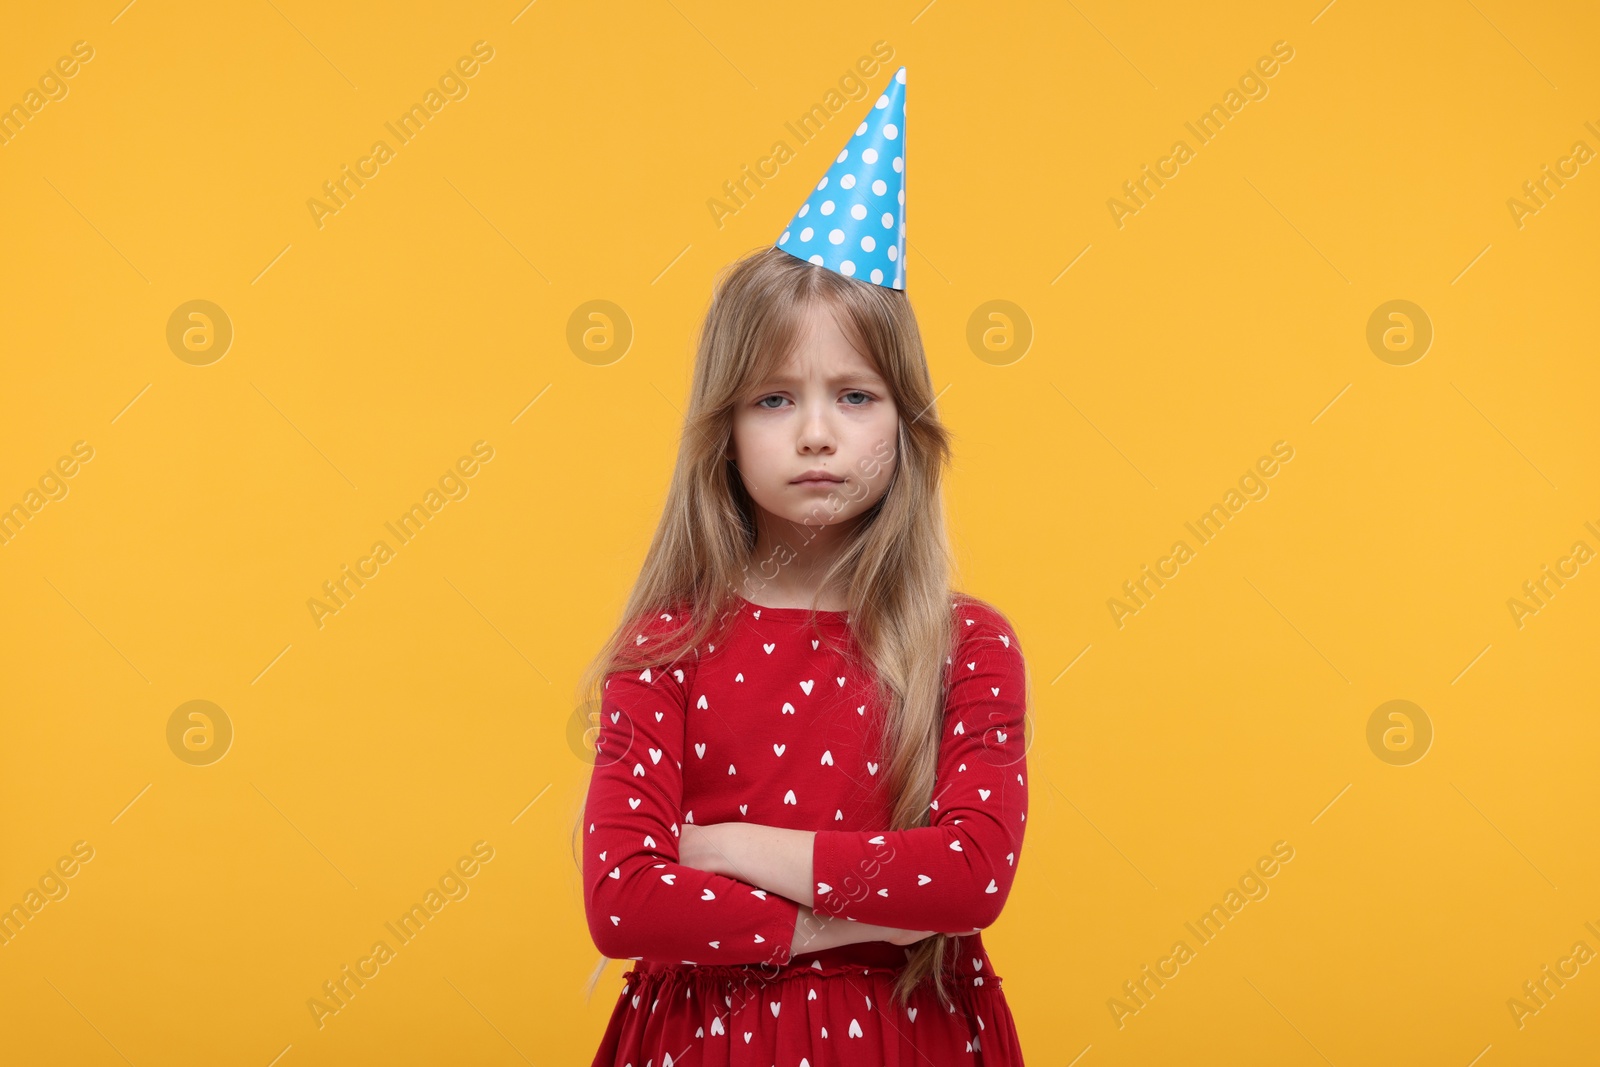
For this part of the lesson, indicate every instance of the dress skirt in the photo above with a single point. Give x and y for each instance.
(804, 1015)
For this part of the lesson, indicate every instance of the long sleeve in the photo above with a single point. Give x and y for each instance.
(639, 901)
(953, 875)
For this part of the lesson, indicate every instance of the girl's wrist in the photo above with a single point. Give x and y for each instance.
(715, 853)
(808, 930)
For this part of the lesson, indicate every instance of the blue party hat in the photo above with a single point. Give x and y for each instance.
(854, 221)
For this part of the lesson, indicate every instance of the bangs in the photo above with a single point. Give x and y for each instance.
(775, 339)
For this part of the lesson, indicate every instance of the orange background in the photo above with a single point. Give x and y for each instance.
(1138, 369)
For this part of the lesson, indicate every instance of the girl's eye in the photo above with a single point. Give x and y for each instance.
(866, 398)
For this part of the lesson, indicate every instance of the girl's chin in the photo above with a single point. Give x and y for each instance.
(810, 510)
(815, 521)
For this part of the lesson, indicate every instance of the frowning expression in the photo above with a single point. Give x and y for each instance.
(815, 443)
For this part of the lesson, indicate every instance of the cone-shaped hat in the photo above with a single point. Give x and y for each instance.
(854, 221)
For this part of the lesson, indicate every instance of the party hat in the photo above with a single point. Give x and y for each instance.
(854, 221)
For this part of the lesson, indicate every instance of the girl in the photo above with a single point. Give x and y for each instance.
(809, 789)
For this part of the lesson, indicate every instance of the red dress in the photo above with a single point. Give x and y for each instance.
(777, 723)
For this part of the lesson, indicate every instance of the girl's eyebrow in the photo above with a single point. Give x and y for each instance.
(854, 377)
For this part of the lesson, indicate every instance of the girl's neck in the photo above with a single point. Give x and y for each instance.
(787, 566)
(769, 583)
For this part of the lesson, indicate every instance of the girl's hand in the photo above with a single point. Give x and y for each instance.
(815, 933)
(909, 937)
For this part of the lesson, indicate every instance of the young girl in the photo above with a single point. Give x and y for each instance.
(809, 790)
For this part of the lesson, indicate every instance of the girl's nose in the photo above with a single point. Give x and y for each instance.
(816, 428)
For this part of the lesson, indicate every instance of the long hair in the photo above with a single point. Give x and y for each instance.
(896, 566)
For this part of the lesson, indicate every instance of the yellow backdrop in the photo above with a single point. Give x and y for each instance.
(1267, 338)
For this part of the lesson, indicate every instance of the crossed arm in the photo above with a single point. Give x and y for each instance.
(943, 878)
(641, 901)
(779, 860)
(768, 857)
(741, 892)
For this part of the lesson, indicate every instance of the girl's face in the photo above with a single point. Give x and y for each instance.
(826, 410)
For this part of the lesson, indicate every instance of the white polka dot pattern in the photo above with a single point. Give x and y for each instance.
(867, 197)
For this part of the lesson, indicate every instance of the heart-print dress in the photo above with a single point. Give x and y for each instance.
(777, 722)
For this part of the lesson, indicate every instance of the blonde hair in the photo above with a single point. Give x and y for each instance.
(897, 565)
